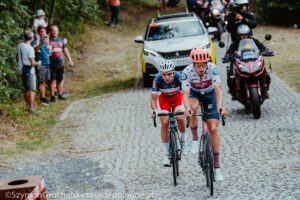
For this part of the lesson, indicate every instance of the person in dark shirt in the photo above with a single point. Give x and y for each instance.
(59, 49)
(240, 15)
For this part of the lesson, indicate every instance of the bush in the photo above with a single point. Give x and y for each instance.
(279, 12)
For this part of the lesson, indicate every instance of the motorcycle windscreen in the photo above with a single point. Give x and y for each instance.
(247, 50)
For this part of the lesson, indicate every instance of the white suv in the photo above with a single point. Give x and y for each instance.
(171, 37)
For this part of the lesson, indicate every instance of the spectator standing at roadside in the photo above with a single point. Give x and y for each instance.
(115, 8)
(59, 49)
(39, 20)
(43, 51)
(27, 66)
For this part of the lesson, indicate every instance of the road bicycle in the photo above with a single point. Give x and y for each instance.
(174, 142)
(205, 158)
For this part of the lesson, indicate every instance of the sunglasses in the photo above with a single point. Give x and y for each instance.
(167, 74)
(201, 65)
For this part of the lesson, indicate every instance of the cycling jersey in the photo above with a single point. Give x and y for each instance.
(160, 86)
(191, 80)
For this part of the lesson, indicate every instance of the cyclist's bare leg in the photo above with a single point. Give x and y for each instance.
(214, 134)
(194, 104)
(164, 128)
(180, 120)
(215, 140)
(164, 136)
(181, 126)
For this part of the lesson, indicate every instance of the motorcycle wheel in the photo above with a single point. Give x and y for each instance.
(255, 103)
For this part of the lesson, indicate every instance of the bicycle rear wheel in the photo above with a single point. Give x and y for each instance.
(209, 165)
(174, 160)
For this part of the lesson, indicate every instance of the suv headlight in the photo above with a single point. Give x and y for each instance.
(151, 53)
(257, 67)
(207, 46)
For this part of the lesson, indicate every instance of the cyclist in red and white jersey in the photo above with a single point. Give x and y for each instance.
(166, 90)
(201, 83)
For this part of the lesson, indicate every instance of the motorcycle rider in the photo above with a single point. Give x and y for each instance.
(203, 8)
(240, 15)
(244, 32)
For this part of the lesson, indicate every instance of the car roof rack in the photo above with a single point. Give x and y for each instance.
(173, 16)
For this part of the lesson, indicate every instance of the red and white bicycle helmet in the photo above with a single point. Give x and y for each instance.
(199, 55)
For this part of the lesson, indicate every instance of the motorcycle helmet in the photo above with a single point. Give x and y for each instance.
(238, 4)
(241, 2)
(166, 66)
(199, 55)
(243, 29)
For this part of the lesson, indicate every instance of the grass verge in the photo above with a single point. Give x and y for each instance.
(285, 44)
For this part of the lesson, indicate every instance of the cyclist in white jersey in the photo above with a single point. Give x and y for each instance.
(201, 83)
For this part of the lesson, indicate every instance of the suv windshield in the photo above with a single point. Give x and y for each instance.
(174, 30)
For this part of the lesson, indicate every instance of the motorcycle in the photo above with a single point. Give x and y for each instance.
(216, 17)
(248, 80)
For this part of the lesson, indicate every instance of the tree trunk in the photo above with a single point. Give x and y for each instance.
(52, 11)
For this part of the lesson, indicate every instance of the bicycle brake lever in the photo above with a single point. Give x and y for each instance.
(223, 117)
(154, 121)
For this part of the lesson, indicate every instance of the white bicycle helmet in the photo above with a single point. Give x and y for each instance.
(243, 29)
(241, 2)
(166, 66)
(40, 12)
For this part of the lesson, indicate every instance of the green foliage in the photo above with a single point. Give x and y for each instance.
(70, 15)
(279, 12)
(13, 17)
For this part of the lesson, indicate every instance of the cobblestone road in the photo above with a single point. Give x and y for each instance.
(113, 147)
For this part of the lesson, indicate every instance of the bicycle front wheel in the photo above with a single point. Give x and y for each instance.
(174, 161)
(209, 165)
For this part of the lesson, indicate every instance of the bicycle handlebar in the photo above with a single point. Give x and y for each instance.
(222, 116)
(165, 114)
(170, 114)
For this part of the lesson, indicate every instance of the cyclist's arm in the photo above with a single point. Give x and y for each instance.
(154, 98)
(185, 85)
(186, 102)
(219, 96)
(218, 87)
(155, 93)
